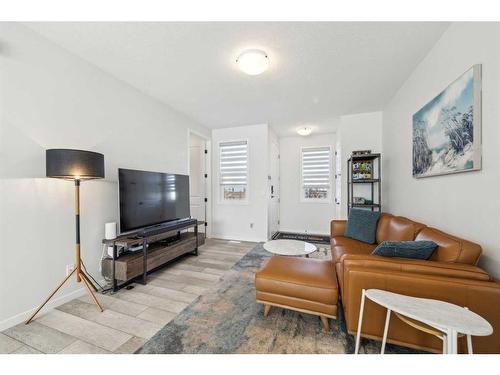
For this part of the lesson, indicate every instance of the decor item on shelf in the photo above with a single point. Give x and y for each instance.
(110, 231)
(110, 234)
(447, 130)
(361, 152)
(304, 130)
(253, 62)
(358, 200)
(76, 165)
(363, 170)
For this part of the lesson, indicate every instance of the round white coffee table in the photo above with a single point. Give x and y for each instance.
(447, 318)
(290, 247)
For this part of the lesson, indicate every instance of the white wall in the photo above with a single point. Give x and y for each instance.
(51, 98)
(297, 216)
(361, 131)
(232, 220)
(466, 204)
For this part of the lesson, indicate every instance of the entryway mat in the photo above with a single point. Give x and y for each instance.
(313, 238)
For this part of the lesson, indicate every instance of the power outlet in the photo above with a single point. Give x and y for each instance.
(69, 268)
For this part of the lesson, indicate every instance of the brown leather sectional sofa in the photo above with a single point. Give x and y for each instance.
(450, 275)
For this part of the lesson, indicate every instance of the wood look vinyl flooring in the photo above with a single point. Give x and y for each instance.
(130, 317)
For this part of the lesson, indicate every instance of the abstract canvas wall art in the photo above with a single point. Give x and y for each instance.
(447, 130)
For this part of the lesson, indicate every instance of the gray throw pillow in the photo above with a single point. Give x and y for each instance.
(362, 225)
(406, 249)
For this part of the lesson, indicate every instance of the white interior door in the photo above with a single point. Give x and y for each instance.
(197, 180)
(273, 190)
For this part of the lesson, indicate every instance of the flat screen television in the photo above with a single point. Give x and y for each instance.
(151, 198)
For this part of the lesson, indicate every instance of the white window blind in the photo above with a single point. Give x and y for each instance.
(233, 163)
(316, 167)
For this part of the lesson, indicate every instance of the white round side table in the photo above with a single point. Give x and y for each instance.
(290, 247)
(445, 317)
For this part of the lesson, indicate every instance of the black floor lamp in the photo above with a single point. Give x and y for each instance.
(76, 165)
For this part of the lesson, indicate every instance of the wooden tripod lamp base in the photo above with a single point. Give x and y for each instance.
(80, 277)
(74, 165)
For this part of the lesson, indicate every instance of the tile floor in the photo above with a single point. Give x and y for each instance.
(130, 317)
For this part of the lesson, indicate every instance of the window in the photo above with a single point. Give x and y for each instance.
(233, 170)
(316, 175)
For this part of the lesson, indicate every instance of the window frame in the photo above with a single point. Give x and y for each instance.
(220, 189)
(329, 194)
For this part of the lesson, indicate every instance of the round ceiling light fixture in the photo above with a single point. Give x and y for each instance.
(304, 130)
(253, 62)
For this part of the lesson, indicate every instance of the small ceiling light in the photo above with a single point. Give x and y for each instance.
(305, 130)
(253, 62)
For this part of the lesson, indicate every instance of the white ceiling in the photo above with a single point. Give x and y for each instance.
(318, 71)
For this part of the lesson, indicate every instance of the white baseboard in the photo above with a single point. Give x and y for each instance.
(52, 304)
(236, 238)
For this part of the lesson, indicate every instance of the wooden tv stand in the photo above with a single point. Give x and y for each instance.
(158, 249)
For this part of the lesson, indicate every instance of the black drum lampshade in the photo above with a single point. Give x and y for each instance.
(74, 164)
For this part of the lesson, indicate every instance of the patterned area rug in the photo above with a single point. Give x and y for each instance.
(228, 320)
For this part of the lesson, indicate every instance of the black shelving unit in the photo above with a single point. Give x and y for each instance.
(364, 170)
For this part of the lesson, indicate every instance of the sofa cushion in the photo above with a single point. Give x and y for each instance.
(416, 266)
(362, 225)
(406, 249)
(301, 278)
(344, 245)
(337, 227)
(450, 248)
(397, 228)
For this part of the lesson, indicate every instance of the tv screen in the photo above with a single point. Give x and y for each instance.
(149, 198)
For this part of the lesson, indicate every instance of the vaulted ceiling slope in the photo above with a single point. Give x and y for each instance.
(318, 71)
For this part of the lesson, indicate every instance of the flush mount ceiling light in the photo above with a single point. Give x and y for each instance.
(253, 62)
(304, 130)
